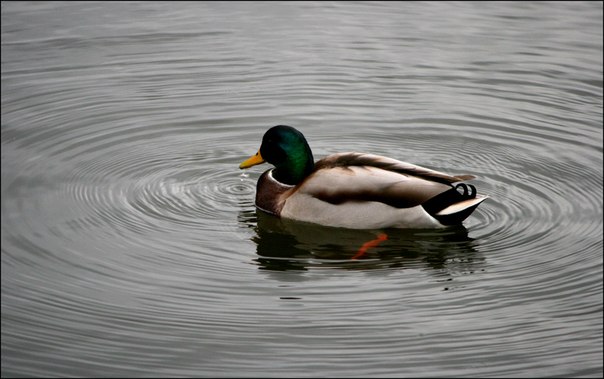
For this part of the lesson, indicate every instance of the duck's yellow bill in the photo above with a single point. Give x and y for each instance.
(252, 161)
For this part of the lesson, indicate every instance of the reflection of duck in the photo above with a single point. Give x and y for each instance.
(283, 245)
(354, 190)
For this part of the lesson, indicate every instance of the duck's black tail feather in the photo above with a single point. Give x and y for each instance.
(452, 206)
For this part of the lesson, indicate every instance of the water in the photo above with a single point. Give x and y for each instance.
(130, 243)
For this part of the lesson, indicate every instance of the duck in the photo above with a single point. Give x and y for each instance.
(355, 190)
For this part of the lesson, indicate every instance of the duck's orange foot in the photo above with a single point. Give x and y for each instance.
(369, 244)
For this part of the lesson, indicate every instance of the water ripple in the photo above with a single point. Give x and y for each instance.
(130, 241)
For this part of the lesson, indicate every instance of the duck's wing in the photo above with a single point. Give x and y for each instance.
(353, 159)
(354, 177)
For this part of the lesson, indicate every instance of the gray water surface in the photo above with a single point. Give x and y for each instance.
(130, 242)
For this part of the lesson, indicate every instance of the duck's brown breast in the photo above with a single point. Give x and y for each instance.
(270, 194)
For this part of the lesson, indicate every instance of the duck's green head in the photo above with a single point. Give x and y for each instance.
(286, 149)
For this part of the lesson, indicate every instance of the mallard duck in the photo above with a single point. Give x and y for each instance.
(355, 190)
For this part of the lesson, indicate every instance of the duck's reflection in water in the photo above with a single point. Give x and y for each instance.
(291, 245)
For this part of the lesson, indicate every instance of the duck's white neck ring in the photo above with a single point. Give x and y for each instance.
(270, 176)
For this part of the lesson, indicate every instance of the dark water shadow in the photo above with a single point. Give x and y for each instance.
(283, 245)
